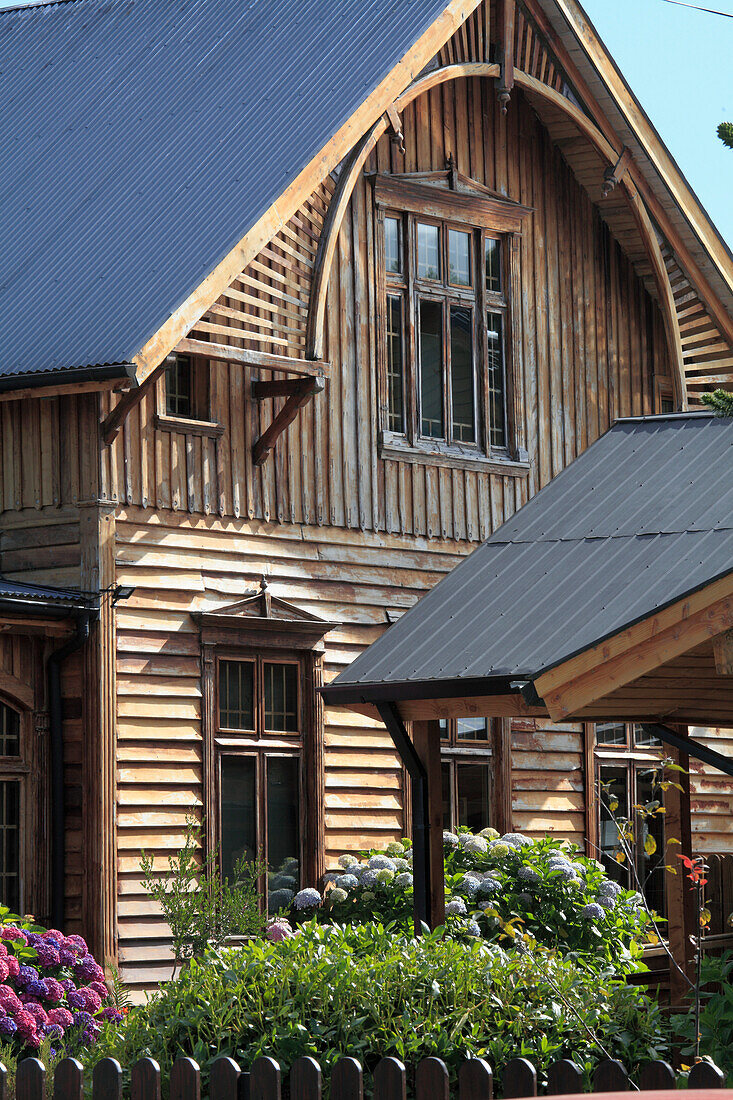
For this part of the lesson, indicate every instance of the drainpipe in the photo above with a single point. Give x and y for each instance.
(58, 853)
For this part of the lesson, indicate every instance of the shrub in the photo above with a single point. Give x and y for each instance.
(716, 1014)
(496, 886)
(52, 992)
(370, 991)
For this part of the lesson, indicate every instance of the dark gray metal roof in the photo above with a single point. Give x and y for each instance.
(36, 599)
(141, 139)
(639, 520)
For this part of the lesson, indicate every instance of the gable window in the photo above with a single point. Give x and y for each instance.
(466, 767)
(625, 760)
(184, 402)
(447, 269)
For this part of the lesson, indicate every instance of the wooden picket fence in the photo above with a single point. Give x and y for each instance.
(264, 1080)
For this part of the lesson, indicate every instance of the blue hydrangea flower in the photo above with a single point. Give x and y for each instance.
(450, 840)
(381, 863)
(607, 901)
(475, 845)
(470, 886)
(515, 840)
(368, 878)
(488, 887)
(401, 864)
(472, 928)
(609, 888)
(528, 874)
(592, 911)
(563, 872)
(404, 879)
(456, 908)
(347, 882)
(307, 899)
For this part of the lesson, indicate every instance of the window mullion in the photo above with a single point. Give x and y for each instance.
(447, 382)
(412, 395)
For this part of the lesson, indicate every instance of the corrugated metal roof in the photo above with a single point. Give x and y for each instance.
(639, 520)
(141, 139)
(43, 597)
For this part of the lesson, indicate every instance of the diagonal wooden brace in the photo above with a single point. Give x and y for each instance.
(615, 172)
(395, 125)
(300, 396)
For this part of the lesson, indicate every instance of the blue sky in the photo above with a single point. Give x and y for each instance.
(679, 63)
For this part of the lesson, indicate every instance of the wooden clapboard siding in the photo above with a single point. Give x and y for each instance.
(184, 563)
(591, 338)
(41, 546)
(548, 780)
(711, 795)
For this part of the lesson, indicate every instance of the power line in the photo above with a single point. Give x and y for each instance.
(695, 7)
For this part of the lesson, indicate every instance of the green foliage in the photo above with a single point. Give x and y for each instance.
(496, 887)
(716, 1014)
(370, 990)
(202, 908)
(725, 133)
(720, 401)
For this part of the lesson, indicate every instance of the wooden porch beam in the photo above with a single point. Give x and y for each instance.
(266, 443)
(113, 422)
(470, 706)
(723, 650)
(223, 352)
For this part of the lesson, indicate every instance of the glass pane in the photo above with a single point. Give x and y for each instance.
(395, 411)
(473, 795)
(650, 867)
(610, 733)
(238, 811)
(10, 845)
(431, 368)
(493, 264)
(461, 368)
(447, 798)
(281, 698)
(443, 723)
(644, 739)
(459, 258)
(236, 693)
(178, 387)
(472, 729)
(428, 251)
(9, 731)
(618, 787)
(283, 824)
(392, 246)
(667, 405)
(495, 365)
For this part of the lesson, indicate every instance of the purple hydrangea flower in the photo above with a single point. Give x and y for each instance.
(34, 938)
(37, 988)
(54, 990)
(27, 974)
(69, 985)
(67, 957)
(76, 999)
(111, 1013)
(88, 970)
(7, 1026)
(48, 956)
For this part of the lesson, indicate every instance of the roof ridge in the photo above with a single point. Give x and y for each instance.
(29, 4)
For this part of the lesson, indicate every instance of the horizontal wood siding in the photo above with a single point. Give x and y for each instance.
(711, 795)
(548, 783)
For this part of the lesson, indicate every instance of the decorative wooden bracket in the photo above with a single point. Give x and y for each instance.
(113, 421)
(615, 173)
(395, 126)
(299, 391)
(723, 649)
(507, 11)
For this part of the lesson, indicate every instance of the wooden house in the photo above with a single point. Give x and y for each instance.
(299, 304)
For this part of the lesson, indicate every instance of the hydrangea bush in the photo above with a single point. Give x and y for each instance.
(495, 887)
(50, 988)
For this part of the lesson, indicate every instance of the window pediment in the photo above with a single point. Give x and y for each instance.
(261, 615)
(450, 194)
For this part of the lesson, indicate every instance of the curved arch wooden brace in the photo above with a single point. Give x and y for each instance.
(360, 152)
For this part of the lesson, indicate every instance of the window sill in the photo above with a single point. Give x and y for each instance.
(395, 450)
(185, 426)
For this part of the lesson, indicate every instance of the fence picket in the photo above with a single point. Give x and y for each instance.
(224, 1079)
(305, 1079)
(431, 1080)
(519, 1078)
(564, 1077)
(475, 1080)
(30, 1080)
(610, 1076)
(390, 1080)
(656, 1075)
(265, 1080)
(145, 1080)
(107, 1080)
(68, 1080)
(185, 1080)
(705, 1076)
(347, 1080)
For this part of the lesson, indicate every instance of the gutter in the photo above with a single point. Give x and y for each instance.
(64, 376)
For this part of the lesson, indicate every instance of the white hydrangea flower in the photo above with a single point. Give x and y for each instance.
(348, 861)
(404, 879)
(450, 839)
(515, 840)
(498, 849)
(475, 845)
(381, 863)
(579, 869)
(408, 857)
(609, 887)
(456, 907)
(490, 834)
(401, 864)
(347, 882)
(394, 848)
(307, 899)
(528, 874)
(337, 895)
(385, 875)
(592, 911)
(469, 885)
(369, 878)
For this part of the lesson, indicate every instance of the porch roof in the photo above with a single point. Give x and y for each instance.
(637, 524)
(43, 600)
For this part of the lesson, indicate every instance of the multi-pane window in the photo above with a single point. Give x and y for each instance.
(186, 389)
(446, 332)
(259, 740)
(626, 759)
(466, 751)
(10, 808)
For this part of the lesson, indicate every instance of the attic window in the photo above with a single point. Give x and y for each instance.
(183, 397)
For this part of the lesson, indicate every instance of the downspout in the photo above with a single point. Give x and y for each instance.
(58, 816)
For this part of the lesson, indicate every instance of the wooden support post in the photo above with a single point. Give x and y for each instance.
(503, 775)
(506, 15)
(266, 443)
(426, 739)
(680, 898)
(723, 650)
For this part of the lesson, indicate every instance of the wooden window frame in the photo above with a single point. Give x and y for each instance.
(663, 392)
(480, 215)
(21, 769)
(496, 750)
(245, 641)
(200, 422)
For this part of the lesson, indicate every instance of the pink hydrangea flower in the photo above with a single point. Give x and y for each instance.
(13, 966)
(37, 1012)
(54, 990)
(26, 1024)
(48, 956)
(4, 970)
(76, 941)
(3, 950)
(9, 1001)
(100, 988)
(60, 1016)
(278, 930)
(10, 932)
(92, 999)
(53, 934)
